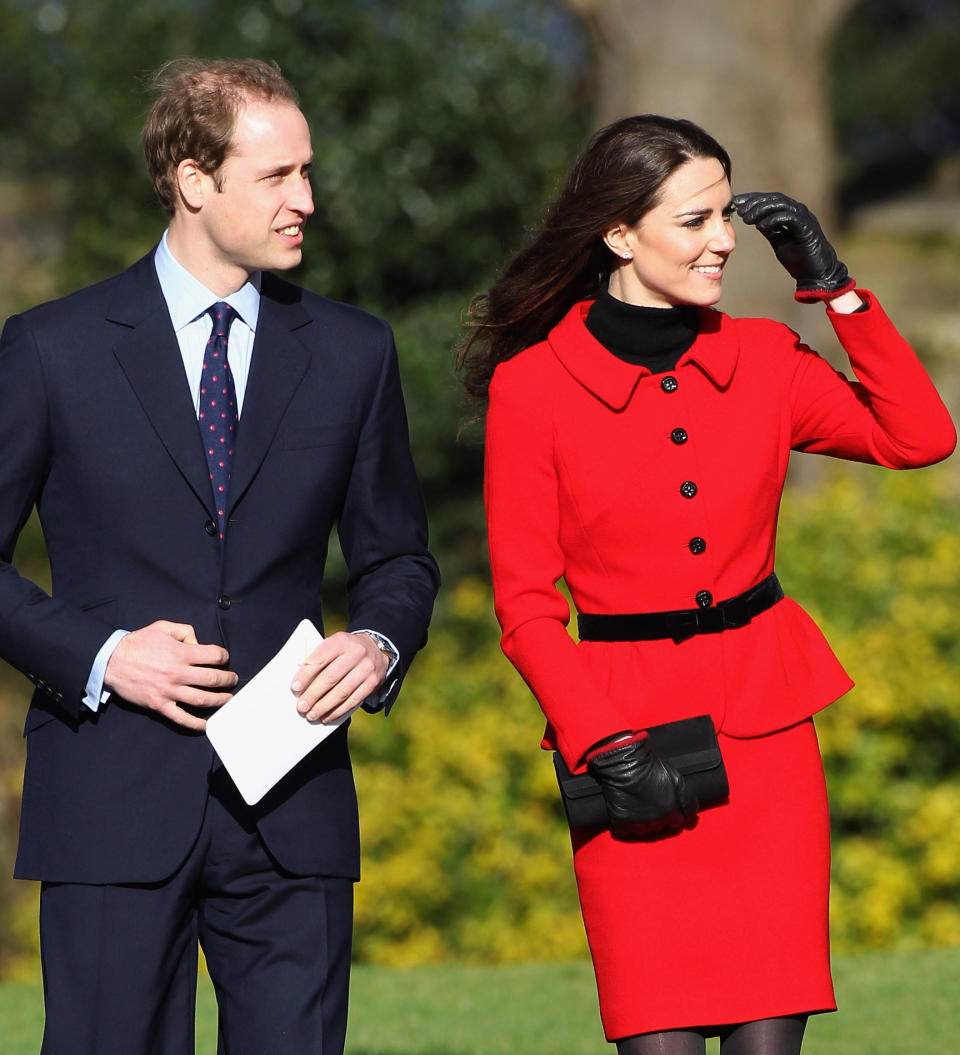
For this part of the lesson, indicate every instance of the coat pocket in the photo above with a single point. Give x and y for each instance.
(38, 715)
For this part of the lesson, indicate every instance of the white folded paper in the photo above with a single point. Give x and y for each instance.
(259, 734)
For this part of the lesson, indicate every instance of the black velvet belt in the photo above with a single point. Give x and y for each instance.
(649, 626)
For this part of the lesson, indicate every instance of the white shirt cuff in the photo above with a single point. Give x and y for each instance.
(95, 692)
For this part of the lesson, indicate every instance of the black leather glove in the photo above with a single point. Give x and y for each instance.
(799, 242)
(643, 793)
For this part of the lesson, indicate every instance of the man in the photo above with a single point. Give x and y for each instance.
(190, 431)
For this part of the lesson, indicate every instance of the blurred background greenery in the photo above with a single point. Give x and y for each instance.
(440, 129)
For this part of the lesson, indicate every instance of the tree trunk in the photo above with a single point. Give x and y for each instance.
(754, 75)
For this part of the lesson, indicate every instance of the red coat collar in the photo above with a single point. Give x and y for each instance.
(715, 351)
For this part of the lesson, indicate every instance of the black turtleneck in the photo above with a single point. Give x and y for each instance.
(650, 337)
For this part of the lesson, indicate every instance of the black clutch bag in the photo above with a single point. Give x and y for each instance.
(689, 745)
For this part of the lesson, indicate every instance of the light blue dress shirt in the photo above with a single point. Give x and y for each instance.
(187, 301)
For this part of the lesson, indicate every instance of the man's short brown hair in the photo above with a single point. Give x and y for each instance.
(196, 107)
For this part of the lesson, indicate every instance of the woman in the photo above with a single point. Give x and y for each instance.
(636, 446)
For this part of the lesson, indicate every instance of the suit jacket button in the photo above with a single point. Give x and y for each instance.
(697, 545)
(704, 599)
(224, 602)
(679, 436)
(669, 383)
(688, 489)
(210, 527)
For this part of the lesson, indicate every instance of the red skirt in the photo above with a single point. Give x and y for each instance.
(726, 921)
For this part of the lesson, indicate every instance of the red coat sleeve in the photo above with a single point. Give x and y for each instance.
(892, 415)
(521, 492)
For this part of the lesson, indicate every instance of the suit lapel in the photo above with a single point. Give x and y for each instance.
(147, 351)
(278, 365)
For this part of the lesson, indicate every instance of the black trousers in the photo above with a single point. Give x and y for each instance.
(120, 962)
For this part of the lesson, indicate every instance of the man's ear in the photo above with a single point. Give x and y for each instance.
(193, 183)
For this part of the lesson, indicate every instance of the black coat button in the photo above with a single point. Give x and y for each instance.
(679, 436)
(697, 544)
(669, 383)
(688, 489)
(224, 602)
(704, 599)
(210, 527)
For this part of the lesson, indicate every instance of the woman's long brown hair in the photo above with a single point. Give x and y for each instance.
(617, 179)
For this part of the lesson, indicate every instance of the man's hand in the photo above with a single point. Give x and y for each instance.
(161, 666)
(338, 675)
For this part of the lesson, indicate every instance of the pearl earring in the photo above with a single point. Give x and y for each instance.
(627, 256)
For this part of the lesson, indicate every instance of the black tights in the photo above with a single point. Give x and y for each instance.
(768, 1036)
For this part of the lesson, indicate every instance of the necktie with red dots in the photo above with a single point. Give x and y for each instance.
(218, 407)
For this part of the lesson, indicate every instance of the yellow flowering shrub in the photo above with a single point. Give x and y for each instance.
(875, 556)
(465, 850)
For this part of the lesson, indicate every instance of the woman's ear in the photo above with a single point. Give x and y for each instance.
(616, 240)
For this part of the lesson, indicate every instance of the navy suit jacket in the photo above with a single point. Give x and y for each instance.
(98, 431)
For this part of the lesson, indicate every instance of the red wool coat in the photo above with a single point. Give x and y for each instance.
(599, 473)
(586, 461)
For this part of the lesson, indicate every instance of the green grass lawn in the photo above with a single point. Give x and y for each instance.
(904, 1003)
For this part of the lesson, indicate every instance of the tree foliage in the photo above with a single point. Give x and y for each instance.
(896, 93)
(436, 126)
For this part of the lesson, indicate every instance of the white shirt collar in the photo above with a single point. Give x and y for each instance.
(188, 298)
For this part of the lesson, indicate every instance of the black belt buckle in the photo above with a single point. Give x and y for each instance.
(710, 620)
(734, 613)
(727, 615)
(700, 621)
